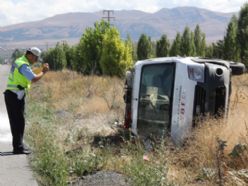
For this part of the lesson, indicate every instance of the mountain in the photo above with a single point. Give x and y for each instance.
(70, 26)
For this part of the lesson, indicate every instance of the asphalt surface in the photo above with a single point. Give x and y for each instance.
(14, 169)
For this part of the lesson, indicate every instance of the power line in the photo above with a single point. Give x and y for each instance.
(108, 17)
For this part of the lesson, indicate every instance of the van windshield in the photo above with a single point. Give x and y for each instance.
(156, 86)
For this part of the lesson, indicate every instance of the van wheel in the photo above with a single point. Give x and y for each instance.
(237, 68)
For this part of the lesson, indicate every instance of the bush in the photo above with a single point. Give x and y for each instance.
(85, 162)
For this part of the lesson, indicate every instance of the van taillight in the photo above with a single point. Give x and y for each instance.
(128, 118)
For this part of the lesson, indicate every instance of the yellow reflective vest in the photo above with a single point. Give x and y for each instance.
(16, 80)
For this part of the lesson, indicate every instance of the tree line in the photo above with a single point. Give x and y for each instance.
(101, 50)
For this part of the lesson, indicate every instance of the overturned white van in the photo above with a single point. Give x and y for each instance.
(164, 95)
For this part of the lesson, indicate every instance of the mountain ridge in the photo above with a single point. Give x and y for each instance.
(71, 25)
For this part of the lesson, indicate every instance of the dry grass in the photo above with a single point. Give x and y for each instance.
(82, 101)
(69, 88)
(86, 106)
(198, 159)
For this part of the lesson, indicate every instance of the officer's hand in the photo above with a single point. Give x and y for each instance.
(45, 67)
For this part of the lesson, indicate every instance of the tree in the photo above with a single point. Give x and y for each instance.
(116, 55)
(199, 42)
(162, 47)
(90, 48)
(129, 50)
(16, 54)
(129, 44)
(203, 45)
(192, 45)
(218, 49)
(144, 48)
(55, 57)
(231, 50)
(242, 34)
(209, 51)
(187, 43)
(69, 54)
(71, 57)
(176, 46)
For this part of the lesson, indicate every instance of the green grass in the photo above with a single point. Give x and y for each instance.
(146, 172)
(50, 160)
(85, 162)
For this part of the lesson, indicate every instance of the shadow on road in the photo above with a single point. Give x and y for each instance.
(9, 153)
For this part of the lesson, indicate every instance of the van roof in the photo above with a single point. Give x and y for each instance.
(186, 60)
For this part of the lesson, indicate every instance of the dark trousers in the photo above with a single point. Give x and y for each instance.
(15, 109)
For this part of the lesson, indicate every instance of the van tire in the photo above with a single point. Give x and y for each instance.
(237, 68)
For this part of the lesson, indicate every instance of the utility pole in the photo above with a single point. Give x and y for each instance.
(108, 15)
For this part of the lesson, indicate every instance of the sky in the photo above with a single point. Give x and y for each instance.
(18, 11)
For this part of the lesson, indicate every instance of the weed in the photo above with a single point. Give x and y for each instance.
(220, 160)
(48, 159)
(84, 161)
(152, 171)
(143, 173)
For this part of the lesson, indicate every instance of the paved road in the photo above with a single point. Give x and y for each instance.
(14, 169)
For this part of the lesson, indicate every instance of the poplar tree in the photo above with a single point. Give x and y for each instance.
(162, 47)
(231, 50)
(116, 55)
(187, 43)
(144, 48)
(55, 57)
(218, 49)
(176, 46)
(69, 54)
(199, 41)
(90, 48)
(242, 34)
(209, 51)
(192, 45)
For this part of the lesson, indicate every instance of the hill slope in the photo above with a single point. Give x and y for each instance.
(71, 25)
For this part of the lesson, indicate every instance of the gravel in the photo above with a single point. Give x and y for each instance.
(104, 178)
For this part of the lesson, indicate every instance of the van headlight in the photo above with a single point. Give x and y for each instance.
(196, 73)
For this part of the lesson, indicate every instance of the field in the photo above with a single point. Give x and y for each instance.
(74, 130)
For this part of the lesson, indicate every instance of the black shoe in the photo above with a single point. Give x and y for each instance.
(22, 151)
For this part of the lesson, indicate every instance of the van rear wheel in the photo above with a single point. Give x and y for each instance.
(237, 68)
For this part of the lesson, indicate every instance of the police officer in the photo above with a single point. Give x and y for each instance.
(19, 81)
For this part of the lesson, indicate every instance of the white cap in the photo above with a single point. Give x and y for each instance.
(34, 50)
